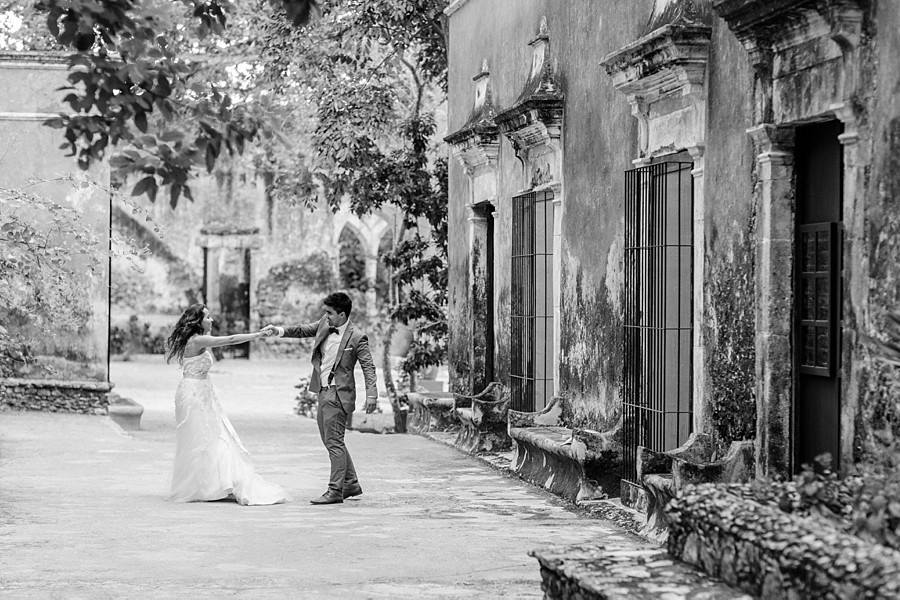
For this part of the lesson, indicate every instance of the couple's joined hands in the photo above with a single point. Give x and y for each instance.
(268, 331)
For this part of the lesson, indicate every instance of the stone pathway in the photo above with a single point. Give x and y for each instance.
(83, 515)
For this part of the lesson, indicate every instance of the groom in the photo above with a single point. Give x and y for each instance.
(337, 348)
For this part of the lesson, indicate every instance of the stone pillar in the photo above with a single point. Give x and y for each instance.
(701, 405)
(855, 271)
(774, 292)
(212, 259)
(480, 298)
(371, 279)
(557, 282)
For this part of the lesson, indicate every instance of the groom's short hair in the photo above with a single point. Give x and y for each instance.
(340, 302)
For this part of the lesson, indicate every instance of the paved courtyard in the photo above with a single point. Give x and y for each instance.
(83, 514)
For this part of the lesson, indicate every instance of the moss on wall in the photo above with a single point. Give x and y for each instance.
(730, 336)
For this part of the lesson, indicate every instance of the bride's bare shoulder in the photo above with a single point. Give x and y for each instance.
(192, 348)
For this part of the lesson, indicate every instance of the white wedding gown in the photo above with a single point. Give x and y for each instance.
(210, 461)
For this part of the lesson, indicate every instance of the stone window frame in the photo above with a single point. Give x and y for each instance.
(477, 147)
(663, 74)
(534, 126)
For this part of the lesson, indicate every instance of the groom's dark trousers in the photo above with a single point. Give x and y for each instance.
(332, 419)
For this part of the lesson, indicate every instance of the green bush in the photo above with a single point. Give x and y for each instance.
(136, 338)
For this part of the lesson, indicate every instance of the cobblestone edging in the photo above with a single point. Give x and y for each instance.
(53, 395)
(772, 554)
(608, 510)
(606, 572)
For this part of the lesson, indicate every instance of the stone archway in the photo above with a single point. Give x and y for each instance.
(368, 230)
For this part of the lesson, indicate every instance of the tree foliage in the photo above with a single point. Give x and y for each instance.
(339, 110)
(48, 257)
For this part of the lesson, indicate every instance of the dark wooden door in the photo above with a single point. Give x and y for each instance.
(818, 283)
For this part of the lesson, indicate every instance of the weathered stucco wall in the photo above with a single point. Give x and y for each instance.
(31, 160)
(600, 142)
(497, 32)
(877, 418)
(730, 297)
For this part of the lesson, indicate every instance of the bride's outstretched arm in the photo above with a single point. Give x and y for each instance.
(216, 341)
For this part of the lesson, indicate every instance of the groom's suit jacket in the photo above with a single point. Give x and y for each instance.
(354, 347)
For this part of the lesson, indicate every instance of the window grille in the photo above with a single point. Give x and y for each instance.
(531, 371)
(657, 402)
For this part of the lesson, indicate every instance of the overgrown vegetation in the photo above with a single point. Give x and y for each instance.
(339, 111)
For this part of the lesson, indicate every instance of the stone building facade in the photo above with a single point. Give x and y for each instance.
(679, 215)
(69, 367)
(252, 258)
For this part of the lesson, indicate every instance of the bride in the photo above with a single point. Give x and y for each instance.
(210, 461)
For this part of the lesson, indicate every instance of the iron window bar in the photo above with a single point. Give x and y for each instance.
(531, 310)
(657, 398)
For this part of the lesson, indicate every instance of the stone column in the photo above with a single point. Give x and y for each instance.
(212, 258)
(701, 406)
(855, 272)
(371, 279)
(480, 303)
(774, 293)
(557, 282)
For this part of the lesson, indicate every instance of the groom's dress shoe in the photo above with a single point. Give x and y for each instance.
(352, 490)
(328, 497)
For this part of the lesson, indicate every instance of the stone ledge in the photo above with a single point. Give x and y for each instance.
(92, 386)
(53, 395)
(595, 572)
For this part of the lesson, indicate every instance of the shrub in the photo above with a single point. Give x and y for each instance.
(866, 503)
(136, 338)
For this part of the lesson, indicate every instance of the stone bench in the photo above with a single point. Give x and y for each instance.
(124, 412)
(577, 464)
(602, 572)
(430, 411)
(664, 474)
(482, 420)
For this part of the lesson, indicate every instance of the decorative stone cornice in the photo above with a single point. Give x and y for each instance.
(477, 142)
(536, 117)
(670, 60)
(765, 27)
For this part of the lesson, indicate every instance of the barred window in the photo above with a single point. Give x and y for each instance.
(657, 407)
(531, 372)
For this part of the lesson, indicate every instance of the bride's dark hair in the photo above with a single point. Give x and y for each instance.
(189, 324)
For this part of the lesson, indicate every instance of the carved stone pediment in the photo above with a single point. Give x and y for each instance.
(796, 45)
(668, 61)
(766, 27)
(663, 62)
(477, 142)
(534, 123)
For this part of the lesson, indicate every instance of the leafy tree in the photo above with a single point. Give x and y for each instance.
(339, 110)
